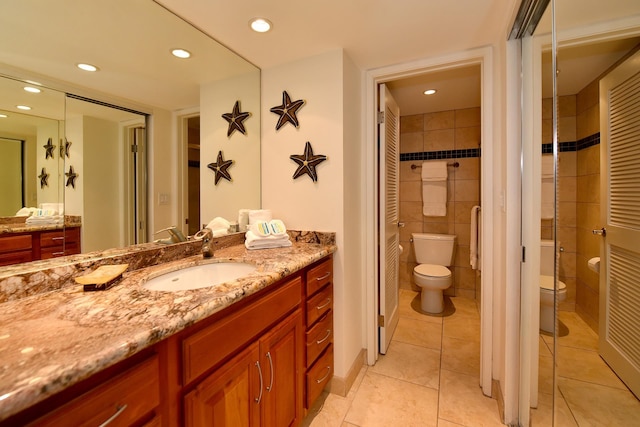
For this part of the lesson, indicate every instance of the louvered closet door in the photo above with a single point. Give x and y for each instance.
(620, 253)
(389, 134)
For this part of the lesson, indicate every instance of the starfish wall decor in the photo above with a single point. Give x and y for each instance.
(236, 119)
(307, 162)
(220, 167)
(65, 147)
(71, 177)
(44, 178)
(49, 147)
(287, 111)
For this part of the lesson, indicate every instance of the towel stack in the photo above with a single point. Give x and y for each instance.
(45, 217)
(434, 188)
(265, 232)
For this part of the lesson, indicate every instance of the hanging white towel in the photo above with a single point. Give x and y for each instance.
(547, 189)
(434, 188)
(475, 238)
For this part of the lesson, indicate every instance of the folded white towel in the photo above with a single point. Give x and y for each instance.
(259, 215)
(252, 241)
(275, 227)
(475, 238)
(45, 220)
(547, 166)
(547, 190)
(434, 198)
(26, 211)
(218, 226)
(434, 170)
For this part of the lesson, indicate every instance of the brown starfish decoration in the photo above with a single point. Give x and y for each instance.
(307, 162)
(287, 111)
(235, 119)
(220, 167)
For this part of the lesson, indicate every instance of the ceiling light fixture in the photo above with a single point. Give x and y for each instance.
(32, 89)
(87, 67)
(23, 107)
(260, 25)
(430, 91)
(181, 53)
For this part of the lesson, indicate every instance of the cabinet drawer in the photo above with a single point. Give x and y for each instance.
(15, 243)
(319, 276)
(319, 304)
(208, 347)
(130, 395)
(319, 337)
(319, 376)
(52, 239)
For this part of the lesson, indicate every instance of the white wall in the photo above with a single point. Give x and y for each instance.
(53, 166)
(330, 121)
(227, 197)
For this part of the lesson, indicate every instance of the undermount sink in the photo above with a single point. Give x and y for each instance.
(199, 276)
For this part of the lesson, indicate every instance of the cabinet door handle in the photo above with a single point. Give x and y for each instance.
(320, 307)
(325, 338)
(270, 386)
(57, 238)
(57, 253)
(259, 398)
(325, 377)
(119, 410)
(328, 273)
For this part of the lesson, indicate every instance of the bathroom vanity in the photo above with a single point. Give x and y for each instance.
(254, 351)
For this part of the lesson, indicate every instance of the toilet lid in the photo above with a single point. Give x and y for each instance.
(546, 282)
(432, 270)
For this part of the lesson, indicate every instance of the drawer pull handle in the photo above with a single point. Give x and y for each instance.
(325, 377)
(325, 338)
(320, 307)
(270, 386)
(119, 410)
(327, 274)
(57, 238)
(259, 398)
(57, 253)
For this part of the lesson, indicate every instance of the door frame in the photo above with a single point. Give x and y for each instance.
(180, 120)
(484, 58)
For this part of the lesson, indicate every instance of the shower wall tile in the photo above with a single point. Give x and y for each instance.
(414, 123)
(567, 163)
(567, 129)
(468, 137)
(411, 142)
(469, 168)
(467, 117)
(567, 106)
(439, 140)
(439, 120)
(588, 97)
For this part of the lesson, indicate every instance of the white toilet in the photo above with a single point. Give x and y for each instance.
(547, 261)
(433, 252)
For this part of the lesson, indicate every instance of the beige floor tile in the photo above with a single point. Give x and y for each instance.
(328, 411)
(445, 423)
(418, 332)
(585, 365)
(383, 401)
(461, 355)
(543, 348)
(461, 327)
(465, 307)
(595, 405)
(412, 363)
(580, 335)
(409, 303)
(462, 401)
(545, 375)
(542, 416)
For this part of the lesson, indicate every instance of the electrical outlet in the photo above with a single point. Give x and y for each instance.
(163, 199)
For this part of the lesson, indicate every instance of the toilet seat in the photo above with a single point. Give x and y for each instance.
(432, 270)
(546, 283)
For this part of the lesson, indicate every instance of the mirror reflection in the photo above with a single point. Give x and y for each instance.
(159, 102)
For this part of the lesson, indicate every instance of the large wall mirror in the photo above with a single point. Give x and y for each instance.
(586, 364)
(142, 95)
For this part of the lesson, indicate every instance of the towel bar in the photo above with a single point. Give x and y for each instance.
(453, 164)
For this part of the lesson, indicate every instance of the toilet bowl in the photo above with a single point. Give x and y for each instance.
(433, 253)
(547, 292)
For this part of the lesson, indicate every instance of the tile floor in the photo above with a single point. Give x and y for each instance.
(429, 376)
(590, 394)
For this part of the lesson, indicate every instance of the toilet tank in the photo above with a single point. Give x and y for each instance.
(547, 257)
(434, 248)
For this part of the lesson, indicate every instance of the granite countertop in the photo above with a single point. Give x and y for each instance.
(52, 340)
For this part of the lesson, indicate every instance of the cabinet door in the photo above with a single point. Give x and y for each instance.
(282, 363)
(231, 396)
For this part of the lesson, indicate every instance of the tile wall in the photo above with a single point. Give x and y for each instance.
(435, 134)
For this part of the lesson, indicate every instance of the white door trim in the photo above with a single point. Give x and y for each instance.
(180, 118)
(483, 57)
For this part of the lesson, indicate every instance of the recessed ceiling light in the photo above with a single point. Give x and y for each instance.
(430, 91)
(260, 25)
(3, 116)
(23, 107)
(181, 53)
(87, 67)
(32, 89)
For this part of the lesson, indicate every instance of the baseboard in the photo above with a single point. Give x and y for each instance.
(341, 386)
(496, 393)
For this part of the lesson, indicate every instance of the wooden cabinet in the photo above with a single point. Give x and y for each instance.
(129, 398)
(261, 386)
(319, 330)
(16, 248)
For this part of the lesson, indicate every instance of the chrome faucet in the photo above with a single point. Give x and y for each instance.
(175, 233)
(207, 251)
